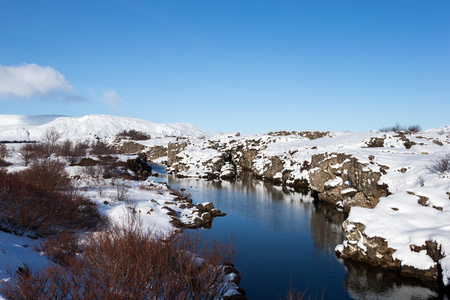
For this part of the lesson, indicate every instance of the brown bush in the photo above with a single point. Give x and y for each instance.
(31, 151)
(72, 151)
(400, 128)
(414, 128)
(61, 248)
(101, 148)
(80, 148)
(41, 207)
(396, 128)
(50, 140)
(133, 135)
(47, 175)
(128, 262)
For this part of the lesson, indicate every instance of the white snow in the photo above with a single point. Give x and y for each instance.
(333, 182)
(26, 128)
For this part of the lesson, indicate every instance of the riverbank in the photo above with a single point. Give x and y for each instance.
(385, 180)
(117, 187)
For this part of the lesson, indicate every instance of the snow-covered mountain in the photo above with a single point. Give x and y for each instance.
(31, 128)
(441, 130)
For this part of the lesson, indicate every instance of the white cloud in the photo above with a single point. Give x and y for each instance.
(112, 99)
(30, 80)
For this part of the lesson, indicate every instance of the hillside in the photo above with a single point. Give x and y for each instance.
(31, 128)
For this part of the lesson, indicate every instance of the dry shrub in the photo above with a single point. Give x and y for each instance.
(72, 151)
(49, 145)
(47, 175)
(133, 135)
(414, 128)
(440, 165)
(120, 189)
(152, 188)
(30, 152)
(41, 207)
(61, 248)
(96, 176)
(128, 262)
(101, 148)
(396, 128)
(400, 128)
(50, 139)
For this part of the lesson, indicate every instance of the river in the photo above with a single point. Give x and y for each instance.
(285, 239)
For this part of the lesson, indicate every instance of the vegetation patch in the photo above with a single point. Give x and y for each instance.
(133, 135)
(127, 262)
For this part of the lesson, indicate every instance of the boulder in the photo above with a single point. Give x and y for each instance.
(333, 174)
(139, 166)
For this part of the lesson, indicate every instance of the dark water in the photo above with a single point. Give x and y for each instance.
(285, 239)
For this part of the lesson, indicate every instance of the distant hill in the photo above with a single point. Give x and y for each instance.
(31, 128)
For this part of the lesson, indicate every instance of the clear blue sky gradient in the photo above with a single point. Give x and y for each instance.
(238, 65)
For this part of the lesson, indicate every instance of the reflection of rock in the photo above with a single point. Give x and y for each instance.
(326, 226)
(365, 282)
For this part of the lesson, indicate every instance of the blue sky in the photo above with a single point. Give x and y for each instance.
(235, 65)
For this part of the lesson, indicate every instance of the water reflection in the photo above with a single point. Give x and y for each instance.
(363, 282)
(284, 238)
(326, 226)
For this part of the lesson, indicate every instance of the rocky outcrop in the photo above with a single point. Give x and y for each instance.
(131, 147)
(273, 170)
(172, 150)
(247, 158)
(375, 251)
(312, 135)
(202, 214)
(156, 152)
(375, 142)
(339, 177)
(140, 167)
(342, 169)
